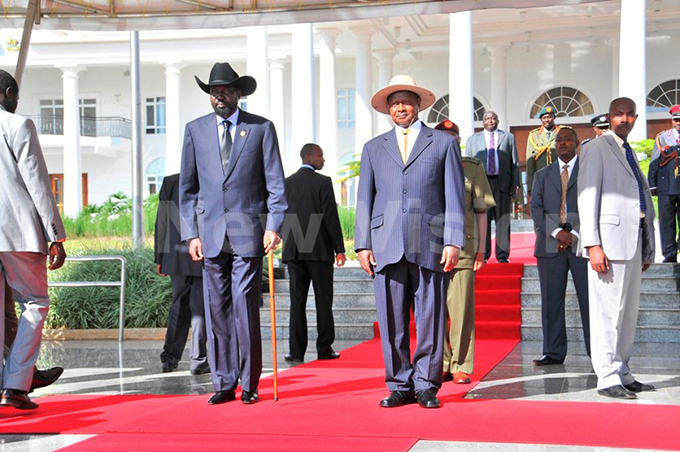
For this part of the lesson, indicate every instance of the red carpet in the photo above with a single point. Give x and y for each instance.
(521, 248)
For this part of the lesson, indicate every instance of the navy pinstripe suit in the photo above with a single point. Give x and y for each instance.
(406, 214)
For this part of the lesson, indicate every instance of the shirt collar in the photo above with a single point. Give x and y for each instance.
(415, 127)
(233, 119)
(570, 163)
(304, 165)
(617, 138)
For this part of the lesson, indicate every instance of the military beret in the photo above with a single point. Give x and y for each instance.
(447, 124)
(600, 121)
(675, 111)
(547, 110)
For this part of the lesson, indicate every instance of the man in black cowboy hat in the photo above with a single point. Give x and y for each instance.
(232, 205)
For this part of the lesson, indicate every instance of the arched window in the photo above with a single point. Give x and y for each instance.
(567, 101)
(440, 110)
(664, 96)
(155, 173)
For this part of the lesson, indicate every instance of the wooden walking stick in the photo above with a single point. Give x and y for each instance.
(272, 313)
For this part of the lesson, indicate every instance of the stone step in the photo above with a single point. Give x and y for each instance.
(669, 334)
(340, 315)
(340, 286)
(345, 300)
(646, 317)
(652, 283)
(658, 269)
(648, 299)
(342, 331)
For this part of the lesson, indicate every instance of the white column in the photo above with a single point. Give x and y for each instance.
(258, 67)
(615, 72)
(498, 84)
(328, 115)
(385, 74)
(174, 135)
(73, 200)
(277, 102)
(632, 59)
(303, 116)
(460, 73)
(363, 115)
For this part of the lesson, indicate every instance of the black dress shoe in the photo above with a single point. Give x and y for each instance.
(503, 261)
(546, 360)
(331, 355)
(428, 399)
(636, 386)
(18, 399)
(200, 370)
(447, 376)
(222, 397)
(617, 392)
(169, 367)
(249, 398)
(42, 378)
(670, 260)
(398, 398)
(292, 359)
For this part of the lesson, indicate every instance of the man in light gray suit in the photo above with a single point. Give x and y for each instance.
(409, 231)
(497, 151)
(232, 205)
(617, 235)
(30, 219)
(554, 209)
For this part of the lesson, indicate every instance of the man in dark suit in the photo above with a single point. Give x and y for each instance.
(664, 182)
(172, 258)
(232, 206)
(497, 151)
(409, 231)
(312, 241)
(554, 209)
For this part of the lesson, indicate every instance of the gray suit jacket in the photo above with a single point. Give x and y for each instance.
(508, 160)
(546, 197)
(609, 203)
(242, 203)
(410, 210)
(30, 217)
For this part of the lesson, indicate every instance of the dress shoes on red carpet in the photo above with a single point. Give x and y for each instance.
(461, 378)
(546, 360)
(168, 367)
(428, 399)
(331, 355)
(292, 359)
(398, 398)
(43, 378)
(617, 392)
(249, 397)
(447, 376)
(18, 399)
(636, 386)
(222, 397)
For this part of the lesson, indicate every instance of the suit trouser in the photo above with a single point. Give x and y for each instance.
(11, 321)
(501, 215)
(320, 274)
(614, 302)
(669, 215)
(553, 276)
(396, 286)
(186, 311)
(459, 343)
(233, 293)
(26, 274)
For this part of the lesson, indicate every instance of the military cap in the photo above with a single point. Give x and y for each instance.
(675, 111)
(600, 121)
(547, 110)
(448, 125)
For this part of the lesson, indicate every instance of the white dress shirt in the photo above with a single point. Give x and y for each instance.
(413, 133)
(233, 119)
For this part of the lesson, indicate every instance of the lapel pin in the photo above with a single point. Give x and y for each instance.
(243, 133)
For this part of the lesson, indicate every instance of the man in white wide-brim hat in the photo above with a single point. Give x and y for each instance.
(409, 232)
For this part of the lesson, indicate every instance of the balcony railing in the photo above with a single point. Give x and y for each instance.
(90, 126)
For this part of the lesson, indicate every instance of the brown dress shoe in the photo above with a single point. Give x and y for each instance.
(461, 378)
(18, 399)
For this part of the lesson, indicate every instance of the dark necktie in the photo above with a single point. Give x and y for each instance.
(225, 146)
(492, 157)
(633, 166)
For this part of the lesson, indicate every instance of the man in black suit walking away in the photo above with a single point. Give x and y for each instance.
(312, 242)
(172, 258)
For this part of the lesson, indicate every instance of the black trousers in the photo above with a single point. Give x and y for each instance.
(320, 274)
(501, 215)
(669, 215)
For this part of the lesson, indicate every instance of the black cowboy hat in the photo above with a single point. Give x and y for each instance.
(223, 74)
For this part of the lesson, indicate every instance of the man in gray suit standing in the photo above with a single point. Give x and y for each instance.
(554, 209)
(30, 219)
(232, 206)
(617, 235)
(497, 151)
(409, 231)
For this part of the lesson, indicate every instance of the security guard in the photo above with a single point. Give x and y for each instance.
(664, 182)
(459, 344)
(541, 145)
(600, 125)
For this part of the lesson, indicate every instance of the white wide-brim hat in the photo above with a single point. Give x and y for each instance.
(401, 83)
